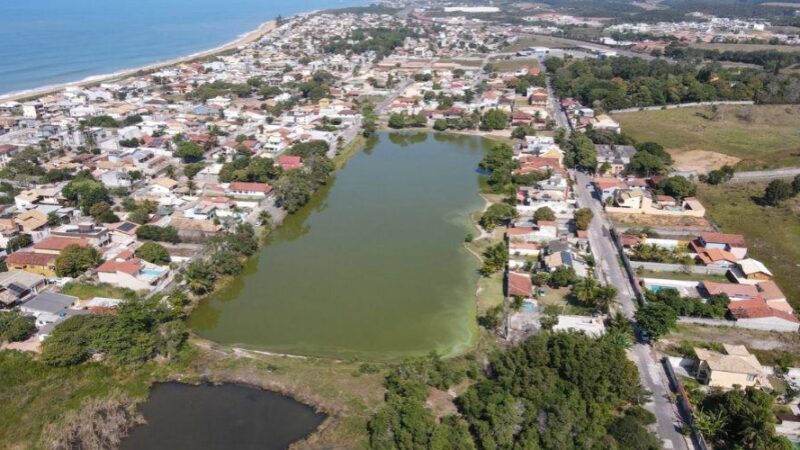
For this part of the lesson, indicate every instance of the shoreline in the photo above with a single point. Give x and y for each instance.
(243, 39)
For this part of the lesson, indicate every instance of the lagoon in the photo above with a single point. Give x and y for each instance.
(374, 267)
(207, 417)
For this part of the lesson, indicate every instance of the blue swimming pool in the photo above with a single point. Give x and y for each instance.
(655, 288)
(528, 307)
(151, 272)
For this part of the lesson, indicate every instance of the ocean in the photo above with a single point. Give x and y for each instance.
(46, 42)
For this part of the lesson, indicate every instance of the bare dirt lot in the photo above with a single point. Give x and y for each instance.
(693, 224)
(701, 161)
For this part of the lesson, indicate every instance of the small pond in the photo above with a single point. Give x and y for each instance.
(230, 416)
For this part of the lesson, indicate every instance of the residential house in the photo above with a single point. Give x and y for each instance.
(48, 307)
(289, 162)
(130, 272)
(519, 285)
(191, 229)
(17, 286)
(244, 189)
(750, 271)
(39, 263)
(735, 367)
(733, 243)
(616, 157)
(759, 315)
(96, 236)
(54, 245)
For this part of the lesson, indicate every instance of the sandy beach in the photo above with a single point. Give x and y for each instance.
(244, 39)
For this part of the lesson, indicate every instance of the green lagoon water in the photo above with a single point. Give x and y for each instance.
(373, 267)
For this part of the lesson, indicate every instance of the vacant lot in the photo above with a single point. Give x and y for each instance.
(686, 223)
(772, 234)
(507, 65)
(762, 136)
(537, 41)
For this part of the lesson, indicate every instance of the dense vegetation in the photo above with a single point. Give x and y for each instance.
(550, 392)
(624, 82)
(738, 419)
(225, 259)
(139, 331)
(382, 41)
(771, 60)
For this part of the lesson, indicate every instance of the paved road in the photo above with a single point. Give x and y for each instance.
(610, 271)
(762, 175)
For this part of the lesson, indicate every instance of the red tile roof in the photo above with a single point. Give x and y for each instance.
(734, 240)
(732, 290)
(519, 231)
(130, 266)
(59, 243)
(288, 162)
(519, 285)
(30, 259)
(758, 309)
(241, 186)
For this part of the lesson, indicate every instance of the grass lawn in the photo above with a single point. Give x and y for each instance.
(85, 291)
(538, 41)
(508, 65)
(772, 234)
(681, 276)
(770, 137)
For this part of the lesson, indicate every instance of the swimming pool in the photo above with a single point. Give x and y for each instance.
(655, 288)
(528, 307)
(151, 272)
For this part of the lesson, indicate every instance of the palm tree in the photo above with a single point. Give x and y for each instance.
(585, 290)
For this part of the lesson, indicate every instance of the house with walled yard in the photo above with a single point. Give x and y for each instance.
(735, 367)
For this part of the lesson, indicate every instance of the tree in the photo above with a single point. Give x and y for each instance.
(522, 131)
(440, 125)
(646, 164)
(189, 151)
(740, 419)
(156, 233)
(656, 319)
(200, 277)
(581, 152)
(796, 185)
(397, 121)
(14, 327)
(153, 252)
(719, 176)
(777, 191)
(544, 214)
(497, 213)
(562, 276)
(74, 260)
(494, 259)
(292, 191)
(494, 119)
(16, 243)
(226, 262)
(678, 187)
(583, 217)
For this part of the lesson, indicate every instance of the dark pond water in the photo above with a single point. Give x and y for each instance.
(206, 417)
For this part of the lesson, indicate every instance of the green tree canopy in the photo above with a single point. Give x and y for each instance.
(154, 253)
(74, 260)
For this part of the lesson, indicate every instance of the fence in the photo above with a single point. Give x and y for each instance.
(684, 405)
(780, 327)
(663, 267)
(682, 105)
(626, 263)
